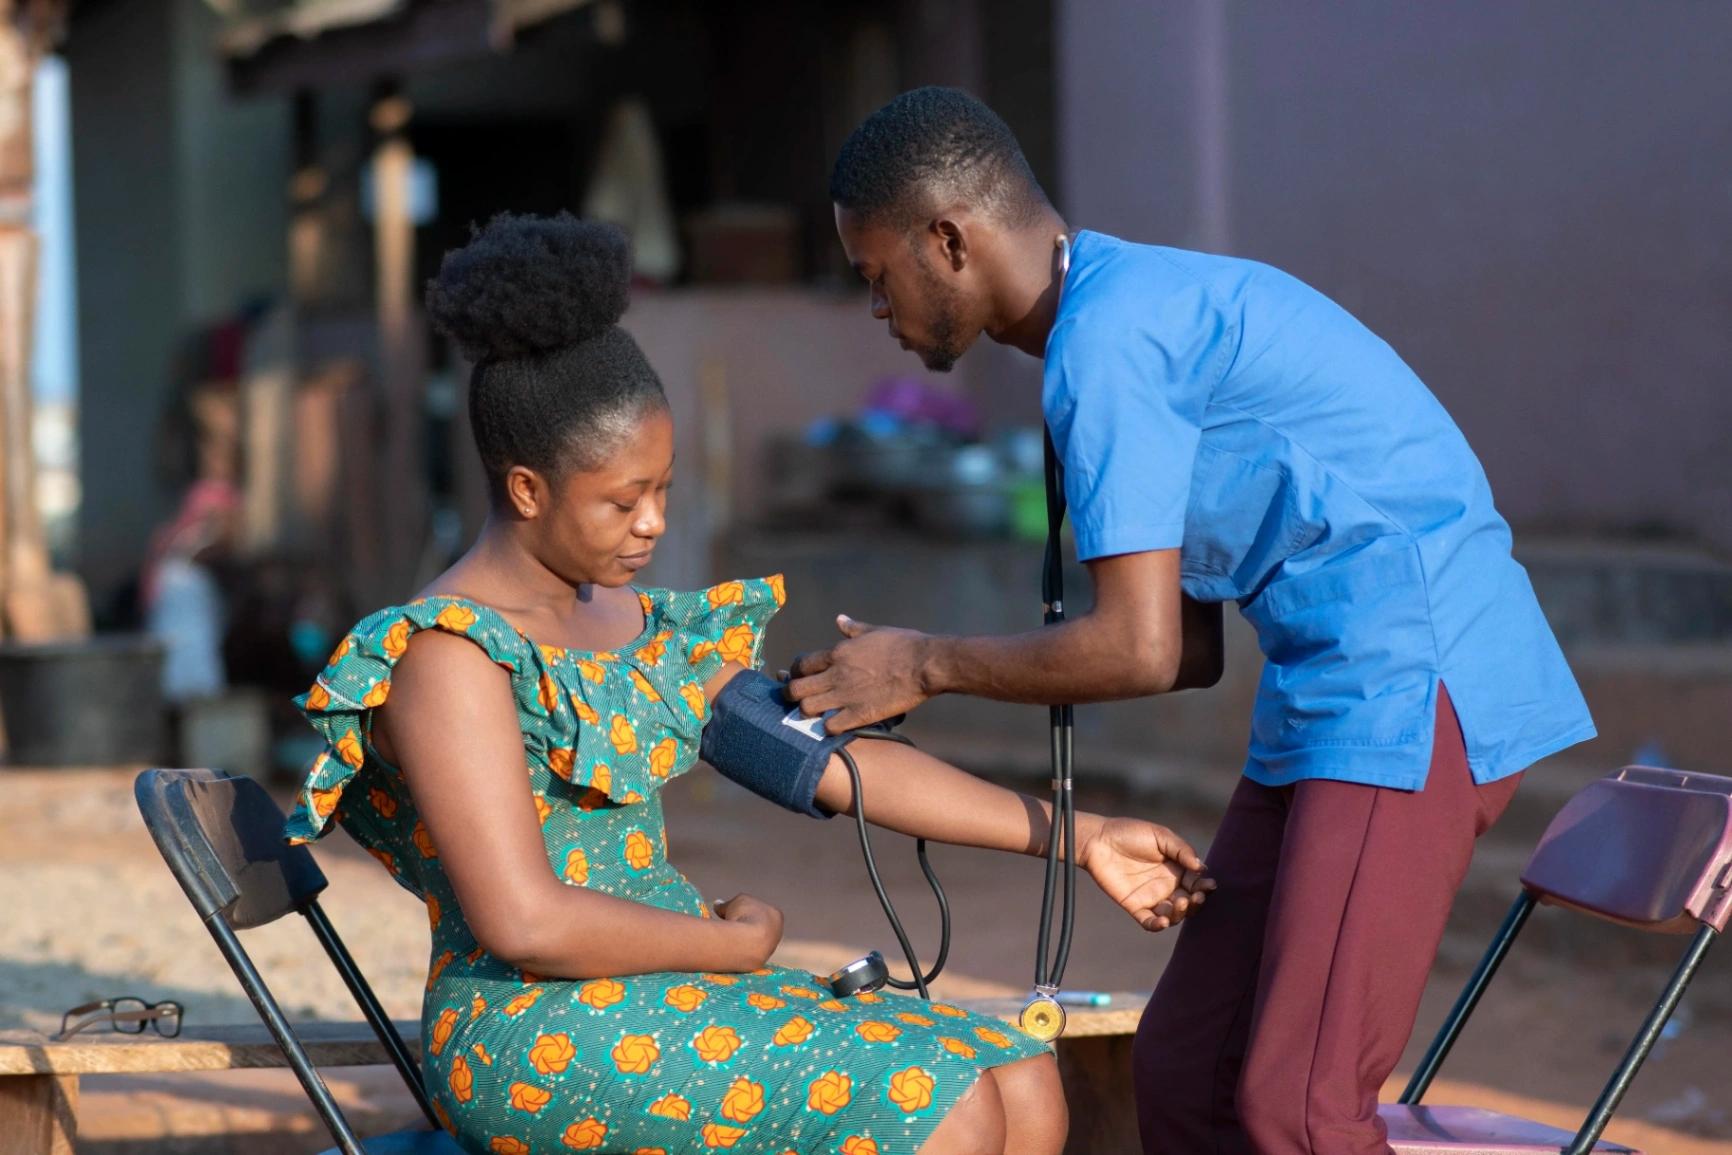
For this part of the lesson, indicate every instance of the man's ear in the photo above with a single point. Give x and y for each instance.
(952, 240)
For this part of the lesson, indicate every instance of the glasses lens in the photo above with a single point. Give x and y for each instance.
(128, 1016)
(168, 1023)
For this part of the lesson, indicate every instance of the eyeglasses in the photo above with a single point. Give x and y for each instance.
(127, 1015)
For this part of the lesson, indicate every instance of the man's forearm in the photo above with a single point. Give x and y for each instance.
(1069, 664)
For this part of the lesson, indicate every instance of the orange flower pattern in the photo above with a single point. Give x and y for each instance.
(794, 1032)
(640, 852)
(529, 1097)
(442, 1028)
(672, 1106)
(651, 1064)
(522, 1002)
(829, 1093)
(716, 1044)
(722, 1136)
(685, 998)
(635, 1054)
(577, 865)
(744, 1100)
(462, 1080)
(663, 757)
(738, 645)
(601, 994)
(552, 1054)
(586, 1135)
(623, 735)
(643, 686)
(560, 760)
(874, 1031)
(911, 1090)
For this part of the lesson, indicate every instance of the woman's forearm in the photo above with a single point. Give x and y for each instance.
(574, 933)
(916, 794)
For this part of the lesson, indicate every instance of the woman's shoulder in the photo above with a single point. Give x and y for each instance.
(383, 637)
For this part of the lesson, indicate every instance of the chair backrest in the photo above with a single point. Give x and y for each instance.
(222, 837)
(1644, 847)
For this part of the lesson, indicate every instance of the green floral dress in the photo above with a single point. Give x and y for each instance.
(648, 1064)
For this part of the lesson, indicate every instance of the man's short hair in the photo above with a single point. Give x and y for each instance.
(929, 147)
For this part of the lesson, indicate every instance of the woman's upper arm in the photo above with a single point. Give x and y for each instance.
(714, 683)
(452, 727)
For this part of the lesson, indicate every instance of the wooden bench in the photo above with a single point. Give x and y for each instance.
(39, 1078)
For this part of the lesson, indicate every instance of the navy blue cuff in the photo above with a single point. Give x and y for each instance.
(759, 739)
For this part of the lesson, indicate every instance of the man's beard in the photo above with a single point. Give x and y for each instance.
(946, 344)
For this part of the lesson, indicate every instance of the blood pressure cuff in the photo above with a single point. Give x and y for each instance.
(758, 738)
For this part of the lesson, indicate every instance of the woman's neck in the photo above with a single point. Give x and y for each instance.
(500, 571)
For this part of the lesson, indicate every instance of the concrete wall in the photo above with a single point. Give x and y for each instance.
(178, 209)
(1532, 203)
(784, 357)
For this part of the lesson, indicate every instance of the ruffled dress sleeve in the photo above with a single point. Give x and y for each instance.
(357, 679)
(724, 623)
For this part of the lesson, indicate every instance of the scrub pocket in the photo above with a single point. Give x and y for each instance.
(1351, 653)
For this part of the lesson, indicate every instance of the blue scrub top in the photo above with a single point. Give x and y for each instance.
(1223, 408)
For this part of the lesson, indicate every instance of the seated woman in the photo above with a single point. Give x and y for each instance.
(501, 742)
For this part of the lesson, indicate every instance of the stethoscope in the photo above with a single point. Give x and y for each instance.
(1042, 1017)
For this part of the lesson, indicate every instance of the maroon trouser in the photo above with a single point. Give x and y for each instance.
(1291, 995)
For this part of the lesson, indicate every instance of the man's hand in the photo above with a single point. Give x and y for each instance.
(872, 675)
(1147, 869)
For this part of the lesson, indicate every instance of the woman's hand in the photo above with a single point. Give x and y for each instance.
(759, 925)
(1145, 868)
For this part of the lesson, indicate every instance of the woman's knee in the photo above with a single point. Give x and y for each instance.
(1037, 1119)
(975, 1125)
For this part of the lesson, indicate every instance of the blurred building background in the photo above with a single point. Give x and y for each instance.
(1532, 204)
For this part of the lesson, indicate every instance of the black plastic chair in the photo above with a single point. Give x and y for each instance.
(222, 837)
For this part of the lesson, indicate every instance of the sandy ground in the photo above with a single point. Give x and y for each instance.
(87, 910)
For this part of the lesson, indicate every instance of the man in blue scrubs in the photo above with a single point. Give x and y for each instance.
(1228, 433)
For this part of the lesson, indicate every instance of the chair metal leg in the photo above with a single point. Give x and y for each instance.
(272, 1014)
(375, 1014)
(1468, 1000)
(1595, 1124)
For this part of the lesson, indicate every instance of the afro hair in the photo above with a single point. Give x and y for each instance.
(525, 285)
(534, 304)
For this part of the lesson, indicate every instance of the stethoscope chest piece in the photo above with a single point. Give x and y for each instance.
(1042, 1018)
(860, 976)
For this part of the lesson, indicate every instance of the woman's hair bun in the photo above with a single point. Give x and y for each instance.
(525, 285)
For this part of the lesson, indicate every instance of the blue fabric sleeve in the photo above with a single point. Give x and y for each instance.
(1125, 403)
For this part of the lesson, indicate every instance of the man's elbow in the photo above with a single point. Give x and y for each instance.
(1154, 669)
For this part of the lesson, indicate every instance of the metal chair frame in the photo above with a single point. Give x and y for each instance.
(239, 874)
(1704, 915)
